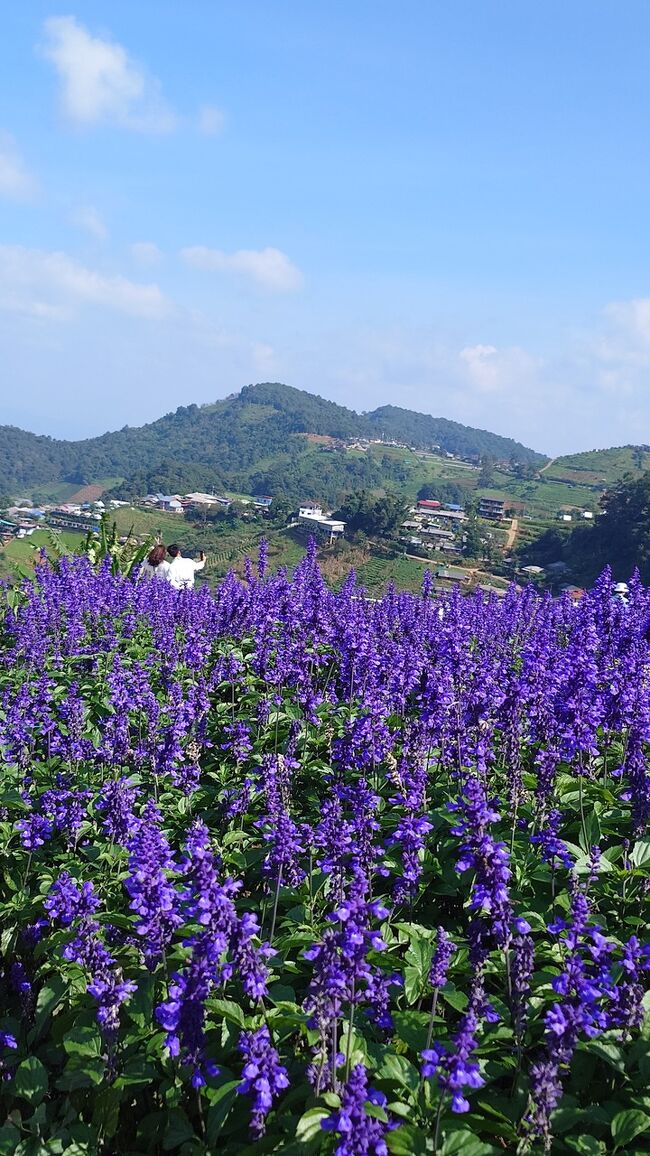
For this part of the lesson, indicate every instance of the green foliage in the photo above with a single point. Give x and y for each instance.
(619, 537)
(376, 516)
(124, 555)
(442, 492)
(252, 442)
(423, 431)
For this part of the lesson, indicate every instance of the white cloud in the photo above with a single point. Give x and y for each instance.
(631, 320)
(211, 120)
(100, 83)
(264, 358)
(269, 267)
(16, 182)
(493, 370)
(91, 221)
(52, 284)
(146, 253)
(482, 365)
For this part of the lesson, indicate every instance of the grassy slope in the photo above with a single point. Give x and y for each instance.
(605, 465)
(20, 551)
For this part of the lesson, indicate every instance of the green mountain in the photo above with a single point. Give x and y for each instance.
(619, 537)
(599, 468)
(256, 441)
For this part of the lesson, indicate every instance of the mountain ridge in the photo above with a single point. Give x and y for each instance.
(241, 440)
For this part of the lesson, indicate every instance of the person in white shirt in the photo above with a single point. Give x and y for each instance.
(182, 570)
(156, 565)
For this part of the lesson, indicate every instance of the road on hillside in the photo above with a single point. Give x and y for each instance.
(512, 533)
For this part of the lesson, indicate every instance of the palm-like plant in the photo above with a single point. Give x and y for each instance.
(98, 545)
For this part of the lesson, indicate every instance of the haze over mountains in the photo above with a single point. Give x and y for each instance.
(253, 441)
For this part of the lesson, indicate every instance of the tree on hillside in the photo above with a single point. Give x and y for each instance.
(472, 540)
(442, 492)
(486, 476)
(374, 516)
(620, 537)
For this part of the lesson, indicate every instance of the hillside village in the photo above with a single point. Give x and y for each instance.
(282, 463)
(471, 544)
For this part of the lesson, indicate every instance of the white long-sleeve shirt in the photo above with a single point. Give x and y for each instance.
(181, 572)
(159, 571)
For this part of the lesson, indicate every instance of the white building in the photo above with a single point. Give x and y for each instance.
(200, 499)
(329, 528)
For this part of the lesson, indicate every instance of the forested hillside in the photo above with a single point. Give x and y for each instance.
(620, 537)
(422, 431)
(252, 441)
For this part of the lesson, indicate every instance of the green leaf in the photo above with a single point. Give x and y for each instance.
(178, 1130)
(400, 1070)
(407, 1140)
(309, 1124)
(30, 1080)
(106, 1110)
(586, 1145)
(412, 1027)
(136, 1071)
(9, 1139)
(414, 984)
(83, 1041)
(230, 1010)
(221, 1102)
(140, 1006)
(628, 1124)
(610, 1053)
(282, 993)
(565, 1118)
(456, 999)
(81, 1072)
(49, 998)
(465, 1143)
(640, 852)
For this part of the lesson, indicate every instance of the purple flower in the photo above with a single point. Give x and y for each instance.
(154, 898)
(220, 951)
(441, 959)
(74, 906)
(238, 741)
(35, 830)
(360, 1133)
(65, 901)
(585, 988)
(410, 836)
(487, 858)
(264, 1077)
(183, 1015)
(453, 1065)
(284, 837)
(116, 801)
(342, 974)
(65, 807)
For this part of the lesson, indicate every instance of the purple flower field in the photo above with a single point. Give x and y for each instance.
(288, 870)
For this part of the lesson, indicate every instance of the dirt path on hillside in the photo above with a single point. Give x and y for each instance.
(512, 534)
(548, 465)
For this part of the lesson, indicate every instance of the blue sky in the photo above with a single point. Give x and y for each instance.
(441, 205)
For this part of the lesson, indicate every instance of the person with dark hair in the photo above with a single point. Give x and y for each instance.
(156, 565)
(182, 570)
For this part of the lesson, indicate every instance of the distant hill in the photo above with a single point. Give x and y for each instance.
(599, 468)
(252, 442)
(619, 537)
(422, 431)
